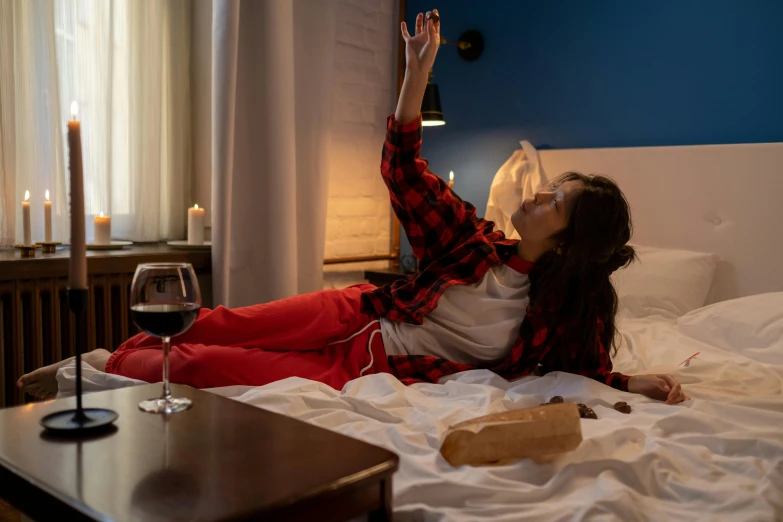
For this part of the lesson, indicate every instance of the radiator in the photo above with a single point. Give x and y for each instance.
(37, 328)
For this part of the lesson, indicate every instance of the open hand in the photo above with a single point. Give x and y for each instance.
(658, 386)
(420, 50)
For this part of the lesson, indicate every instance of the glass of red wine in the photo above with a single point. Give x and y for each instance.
(165, 300)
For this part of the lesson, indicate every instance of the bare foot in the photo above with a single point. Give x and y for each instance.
(42, 383)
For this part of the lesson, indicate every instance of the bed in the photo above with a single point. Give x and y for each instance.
(716, 457)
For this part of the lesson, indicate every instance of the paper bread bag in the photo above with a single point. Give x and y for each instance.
(539, 433)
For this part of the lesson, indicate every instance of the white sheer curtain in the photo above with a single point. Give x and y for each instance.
(271, 116)
(126, 63)
(31, 129)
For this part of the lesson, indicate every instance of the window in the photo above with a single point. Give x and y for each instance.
(126, 64)
(92, 68)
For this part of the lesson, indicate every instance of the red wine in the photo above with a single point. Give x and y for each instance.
(164, 320)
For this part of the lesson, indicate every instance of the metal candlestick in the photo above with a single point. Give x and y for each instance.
(49, 247)
(81, 420)
(26, 251)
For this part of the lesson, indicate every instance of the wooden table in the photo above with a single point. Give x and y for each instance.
(220, 460)
(384, 276)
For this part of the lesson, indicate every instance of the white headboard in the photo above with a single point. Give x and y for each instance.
(724, 199)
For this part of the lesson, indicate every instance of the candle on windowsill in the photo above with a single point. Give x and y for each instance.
(102, 229)
(26, 219)
(195, 225)
(47, 219)
(451, 179)
(77, 268)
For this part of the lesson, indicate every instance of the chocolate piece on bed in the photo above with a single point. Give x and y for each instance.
(434, 17)
(581, 405)
(622, 407)
(557, 399)
(587, 413)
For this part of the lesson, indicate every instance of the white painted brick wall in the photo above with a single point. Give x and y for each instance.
(358, 212)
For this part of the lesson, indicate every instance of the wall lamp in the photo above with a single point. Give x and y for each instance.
(469, 47)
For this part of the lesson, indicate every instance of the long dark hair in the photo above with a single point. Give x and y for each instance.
(571, 284)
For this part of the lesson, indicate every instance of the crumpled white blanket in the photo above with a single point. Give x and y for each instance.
(717, 457)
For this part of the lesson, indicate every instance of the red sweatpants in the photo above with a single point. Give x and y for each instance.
(321, 336)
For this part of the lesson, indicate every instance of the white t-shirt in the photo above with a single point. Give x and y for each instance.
(472, 324)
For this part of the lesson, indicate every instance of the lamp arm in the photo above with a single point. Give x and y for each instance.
(461, 44)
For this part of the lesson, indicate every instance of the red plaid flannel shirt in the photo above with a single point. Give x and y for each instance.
(454, 247)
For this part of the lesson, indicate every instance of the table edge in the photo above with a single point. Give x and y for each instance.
(325, 492)
(55, 495)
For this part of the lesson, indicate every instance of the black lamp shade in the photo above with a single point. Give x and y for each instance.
(431, 111)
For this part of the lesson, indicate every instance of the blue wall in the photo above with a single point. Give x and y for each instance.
(602, 73)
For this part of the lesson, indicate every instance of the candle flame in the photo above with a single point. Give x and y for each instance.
(451, 176)
(47, 194)
(195, 206)
(101, 215)
(74, 110)
(27, 195)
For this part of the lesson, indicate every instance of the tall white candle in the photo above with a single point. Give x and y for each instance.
(28, 236)
(77, 270)
(451, 179)
(102, 229)
(195, 226)
(47, 219)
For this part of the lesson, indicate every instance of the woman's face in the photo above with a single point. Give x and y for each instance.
(539, 218)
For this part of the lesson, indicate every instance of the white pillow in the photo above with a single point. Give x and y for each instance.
(752, 326)
(664, 282)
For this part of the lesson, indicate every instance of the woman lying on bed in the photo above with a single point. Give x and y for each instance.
(541, 304)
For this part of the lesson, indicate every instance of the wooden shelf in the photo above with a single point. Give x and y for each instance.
(99, 262)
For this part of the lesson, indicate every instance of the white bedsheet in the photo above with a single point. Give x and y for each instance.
(717, 457)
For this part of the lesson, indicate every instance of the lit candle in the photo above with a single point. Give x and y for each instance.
(77, 270)
(102, 229)
(195, 226)
(26, 219)
(47, 219)
(451, 179)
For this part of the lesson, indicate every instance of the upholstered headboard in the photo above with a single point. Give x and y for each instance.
(725, 199)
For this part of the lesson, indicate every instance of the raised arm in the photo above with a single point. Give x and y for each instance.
(435, 219)
(420, 52)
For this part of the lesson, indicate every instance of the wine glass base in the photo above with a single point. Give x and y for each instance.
(165, 405)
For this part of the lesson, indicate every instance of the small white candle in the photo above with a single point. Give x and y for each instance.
(451, 179)
(47, 219)
(195, 226)
(102, 229)
(26, 219)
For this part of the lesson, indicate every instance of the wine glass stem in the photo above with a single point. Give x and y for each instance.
(166, 349)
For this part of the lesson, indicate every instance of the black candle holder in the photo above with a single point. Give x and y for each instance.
(81, 420)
